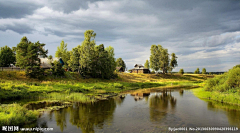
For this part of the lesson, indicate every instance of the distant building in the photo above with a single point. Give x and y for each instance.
(139, 68)
(46, 64)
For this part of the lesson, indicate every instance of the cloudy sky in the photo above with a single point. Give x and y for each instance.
(202, 33)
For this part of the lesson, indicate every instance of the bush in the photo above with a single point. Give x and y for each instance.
(204, 71)
(197, 71)
(181, 71)
(57, 69)
(225, 82)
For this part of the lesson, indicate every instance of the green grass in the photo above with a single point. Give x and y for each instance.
(225, 97)
(14, 114)
(14, 85)
(224, 88)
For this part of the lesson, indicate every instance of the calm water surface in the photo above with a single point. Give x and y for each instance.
(153, 113)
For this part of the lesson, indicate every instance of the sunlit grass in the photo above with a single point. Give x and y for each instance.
(14, 114)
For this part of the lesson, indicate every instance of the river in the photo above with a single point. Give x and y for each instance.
(151, 112)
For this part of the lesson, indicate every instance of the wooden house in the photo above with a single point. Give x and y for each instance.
(139, 68)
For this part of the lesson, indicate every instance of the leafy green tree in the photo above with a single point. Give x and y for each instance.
(164, 60)
(73, 62)
(159, 58)
(57, 68)
(28, 54)
(120, 63)
(7, 56)
(204, 71)
(146, 65)
(173, 62)
(87, 52)
(111, 67)
(197, 71)
(154, 58)
(63, 53)
(181, 71)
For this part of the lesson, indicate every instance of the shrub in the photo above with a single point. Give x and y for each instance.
(181, 71)
(204, 71)
(197, 71)
(118, 85)
(225, 82)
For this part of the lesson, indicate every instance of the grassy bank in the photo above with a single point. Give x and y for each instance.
(224, 88)
(14, 114)
(15, 85)
(224, 97)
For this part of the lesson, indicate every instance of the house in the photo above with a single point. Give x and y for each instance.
(46, 63)
(119, 69)
(139, 68)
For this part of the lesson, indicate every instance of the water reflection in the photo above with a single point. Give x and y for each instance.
(86, 116)
(232, 111)
(159, 105)
(154, 111)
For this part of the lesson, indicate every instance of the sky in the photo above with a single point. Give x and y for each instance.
(202, 33)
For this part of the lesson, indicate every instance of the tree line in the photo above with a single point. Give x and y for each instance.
(88, 59)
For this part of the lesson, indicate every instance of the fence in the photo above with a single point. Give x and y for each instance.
(11, 69)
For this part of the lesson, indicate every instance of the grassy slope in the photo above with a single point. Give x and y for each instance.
(16, 85)
(225, 97)
(224, 88)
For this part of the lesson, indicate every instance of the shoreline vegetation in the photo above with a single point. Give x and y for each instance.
(222, 88)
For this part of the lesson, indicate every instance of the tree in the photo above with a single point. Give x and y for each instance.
(63, 53)
(87, 52)
(121, 63)
(28, 57)
(7, 56)
(159, 58)
(154, 58)
(204, 71)
(181, 71)
(164, 59)
(197, 71)
(57, 68)
(50, 58)
(73, 62)
(173, 62)
(146, 65)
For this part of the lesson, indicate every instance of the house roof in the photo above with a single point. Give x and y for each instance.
(139, 66)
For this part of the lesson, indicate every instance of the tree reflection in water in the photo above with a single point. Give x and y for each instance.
(86, 116)
(159, 105)
(232, 111)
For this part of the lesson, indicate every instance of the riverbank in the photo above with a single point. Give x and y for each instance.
(224, 97)
(14, 86)
(223, 88)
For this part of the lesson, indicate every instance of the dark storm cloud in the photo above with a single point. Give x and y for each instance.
(16, 9)
(18, 28)
(202, 28)
(68, 6)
